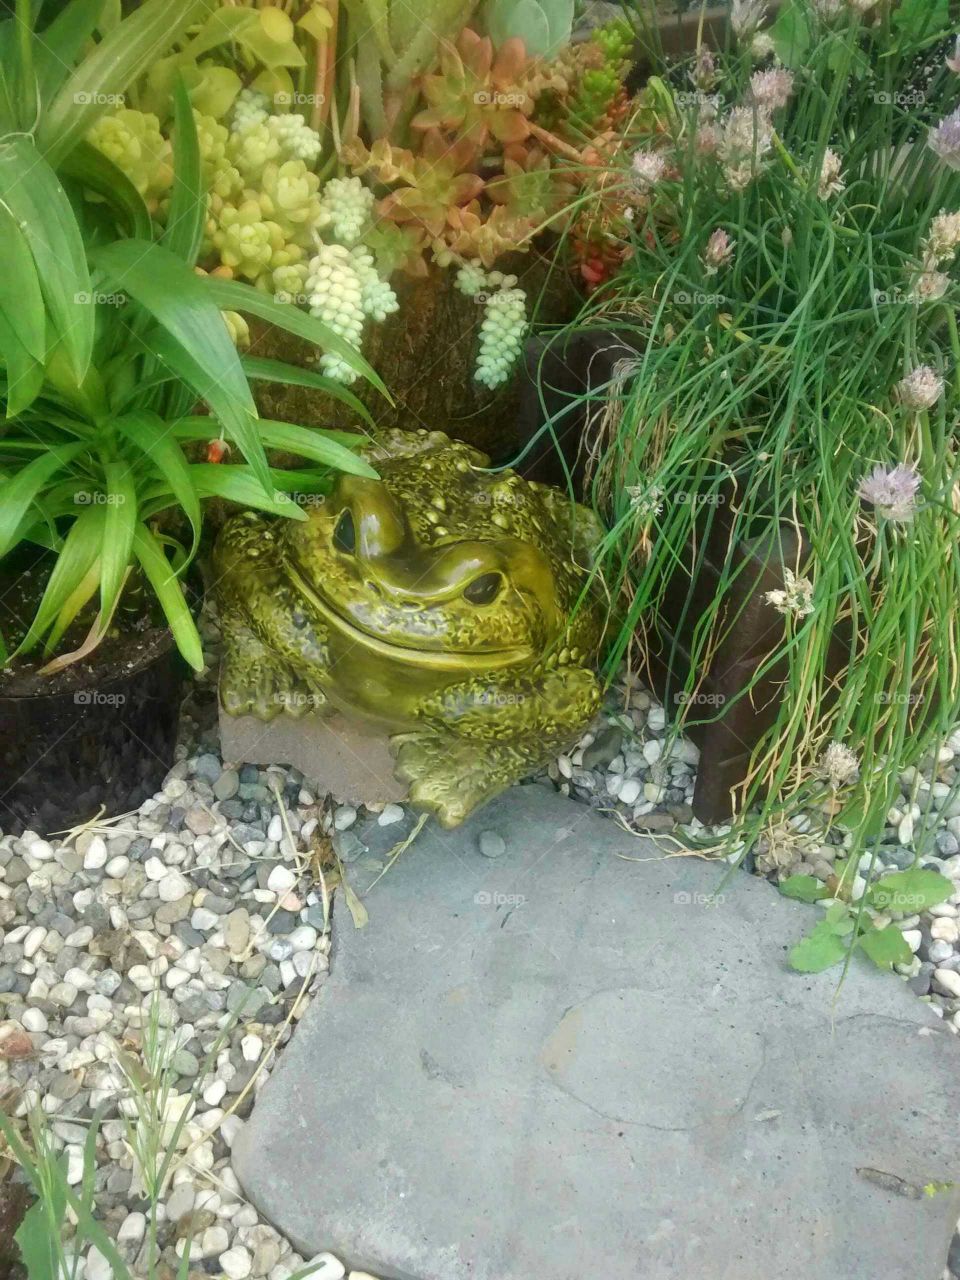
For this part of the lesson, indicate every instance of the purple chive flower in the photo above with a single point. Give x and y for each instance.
(945, 140)
(893, 491)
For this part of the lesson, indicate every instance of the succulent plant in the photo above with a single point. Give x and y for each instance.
(345, 207)
(528, 186)
(133, 141)
(471, 235)
(336, 297)
(398, 248)
(478, 93)
(502, 332)
(543, 25)
(288, 195)
(434, 182)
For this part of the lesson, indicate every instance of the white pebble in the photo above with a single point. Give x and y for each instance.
(154, 868)
(214, 1241)
(281, 879)
(629, 791)
(173, 886)
(390, 814)
(41, 850)
(303, 938)
(31, 943)
(945, 929)
(344, 817)
(96, 855)
(325, 1267)
(213, 1093)
(132, 1229)
(251, 1047)
(204, 920)
(118, 867)
(905, 831)
(229, 1128)
(97, 1267)
(34, 1020)
(913, 938)
(657, 718)
(948, 981)
(236, 1262)
(652, 751)
(275, 828)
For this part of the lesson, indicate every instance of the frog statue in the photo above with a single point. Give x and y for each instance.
(450, 605)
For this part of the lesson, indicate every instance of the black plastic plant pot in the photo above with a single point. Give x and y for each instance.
(103, 737)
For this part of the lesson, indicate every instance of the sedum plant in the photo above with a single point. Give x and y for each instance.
(791, 291)
(325, 128)
(109, 338)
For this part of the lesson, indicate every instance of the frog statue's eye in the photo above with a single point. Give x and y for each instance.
(345, 534)
(485, 589)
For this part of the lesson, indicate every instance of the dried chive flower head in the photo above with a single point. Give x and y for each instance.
(704, 73)
(920, 389)
(942, 240)
(771, 90)
(795, 598)
(893, 491)
(719, 251)
(839, 766)
(648, 168)
(931, 286)
(831, 183)
(747, 137)
(746, 16)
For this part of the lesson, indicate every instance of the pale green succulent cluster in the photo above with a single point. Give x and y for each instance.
(343, 290)
(504, 325)
(133, 141)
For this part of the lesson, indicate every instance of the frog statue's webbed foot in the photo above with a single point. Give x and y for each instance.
(477, 740)
(451, 776)
(255, 681)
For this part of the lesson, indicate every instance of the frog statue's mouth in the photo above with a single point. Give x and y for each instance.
(408, 648)
(469, 603)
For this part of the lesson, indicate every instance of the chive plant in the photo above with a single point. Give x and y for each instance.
(791, 292)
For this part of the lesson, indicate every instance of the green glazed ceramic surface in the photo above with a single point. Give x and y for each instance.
(441, 602)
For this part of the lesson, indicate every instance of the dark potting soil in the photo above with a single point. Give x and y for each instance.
(135, 638)
(15, 1200)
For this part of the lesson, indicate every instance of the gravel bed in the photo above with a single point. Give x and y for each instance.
(202, 914)
(195, 925)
